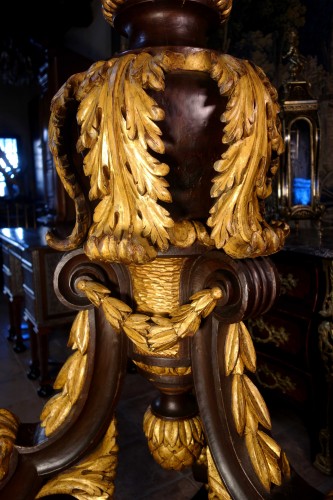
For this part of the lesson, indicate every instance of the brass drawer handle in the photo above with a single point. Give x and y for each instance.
(287, 283)
(277, 381)
(274, 335)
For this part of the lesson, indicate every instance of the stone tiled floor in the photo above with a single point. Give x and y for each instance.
(138, 476)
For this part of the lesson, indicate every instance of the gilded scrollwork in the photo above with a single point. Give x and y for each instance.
(174, 444)
(119, 136)
(249, 409)
(93, 477)
(155, 333)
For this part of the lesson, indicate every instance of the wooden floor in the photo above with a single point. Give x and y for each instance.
(138, 476)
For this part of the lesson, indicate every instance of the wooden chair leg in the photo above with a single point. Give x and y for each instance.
(15, 318)
(34, 368)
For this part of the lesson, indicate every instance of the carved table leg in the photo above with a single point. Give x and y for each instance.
(15, 329)
(34, 368)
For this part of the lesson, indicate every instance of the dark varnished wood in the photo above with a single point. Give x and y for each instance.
(167, 23)
(192, 131)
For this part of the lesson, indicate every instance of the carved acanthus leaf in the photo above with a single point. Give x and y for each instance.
(252, 133)
(93, 477)
(117, 120)
(70, 378)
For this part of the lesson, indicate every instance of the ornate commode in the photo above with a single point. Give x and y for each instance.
(179, 144)
(293, 340)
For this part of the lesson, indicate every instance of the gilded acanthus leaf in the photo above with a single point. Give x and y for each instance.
(61, 103)
(252, 134)
(121, 116)
(93, 478)
(70, 379)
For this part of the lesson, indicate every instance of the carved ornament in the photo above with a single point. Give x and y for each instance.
(119, 136)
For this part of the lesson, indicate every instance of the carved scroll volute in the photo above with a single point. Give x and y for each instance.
(249, 287)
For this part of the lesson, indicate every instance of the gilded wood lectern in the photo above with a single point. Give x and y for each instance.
(167, 257)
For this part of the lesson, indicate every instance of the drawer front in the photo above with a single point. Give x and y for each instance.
(283, 379)
(280, 333)
(28, 277)
(299, 277)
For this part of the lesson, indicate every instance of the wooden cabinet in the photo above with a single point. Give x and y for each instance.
(28, 269)
(13, 290)
(294, 340)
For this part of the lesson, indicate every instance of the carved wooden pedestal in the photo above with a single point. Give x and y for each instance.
(179, 144)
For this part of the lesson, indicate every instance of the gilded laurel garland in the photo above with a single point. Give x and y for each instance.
(153, 333)
(93, 477)
(216, 488)
(9, 425)
(118, 126)
(70, 379)
(249, 409)
(174, 444)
